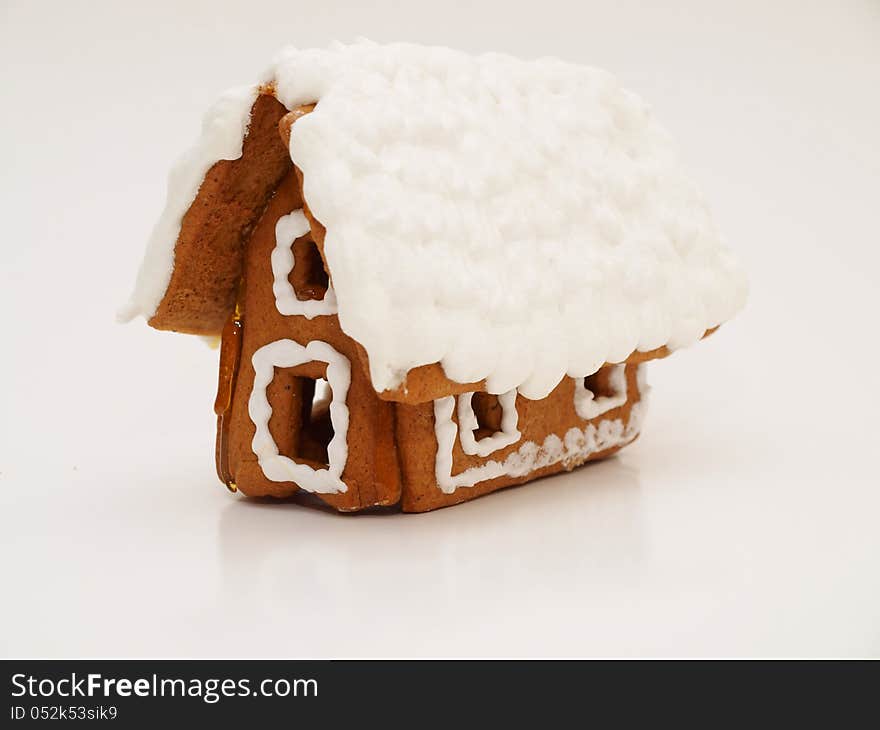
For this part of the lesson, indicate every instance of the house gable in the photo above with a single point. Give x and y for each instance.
(209, 248)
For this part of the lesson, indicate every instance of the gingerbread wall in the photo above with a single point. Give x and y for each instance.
(371, 472)
(553, 438)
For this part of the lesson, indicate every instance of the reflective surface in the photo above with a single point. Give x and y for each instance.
(743, 521)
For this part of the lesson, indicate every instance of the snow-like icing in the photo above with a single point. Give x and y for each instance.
(577, 445)
(276, 466)
(515, 221)
(287, 229)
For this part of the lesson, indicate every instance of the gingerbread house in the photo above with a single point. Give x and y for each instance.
(435, 274)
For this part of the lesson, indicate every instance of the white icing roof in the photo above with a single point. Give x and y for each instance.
(516, 221)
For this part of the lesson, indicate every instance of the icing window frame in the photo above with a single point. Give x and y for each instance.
(468, 425)
(288, 229)
(276, 466)
(590, 406)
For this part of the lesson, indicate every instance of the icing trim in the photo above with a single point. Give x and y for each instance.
(277, 467)
(572, 450)
(588, 407)
(467, 423)
(289, 228)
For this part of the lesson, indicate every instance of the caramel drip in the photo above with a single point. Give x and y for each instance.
(230, 354)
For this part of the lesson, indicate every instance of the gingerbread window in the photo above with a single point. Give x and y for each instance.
(308, 278)
(315, 424)
(600, 392)
(322, 451)
(300, 282)
(487, 422)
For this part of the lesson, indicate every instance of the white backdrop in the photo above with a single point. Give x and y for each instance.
(744, 521)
